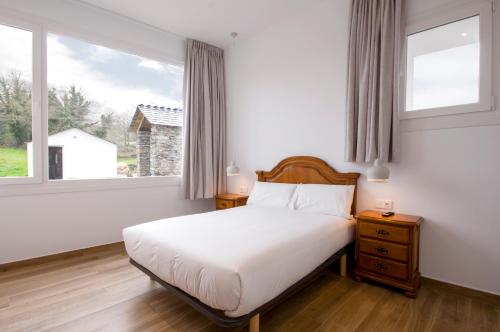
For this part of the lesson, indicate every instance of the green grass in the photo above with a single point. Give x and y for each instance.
(13, 162)
(127, 160)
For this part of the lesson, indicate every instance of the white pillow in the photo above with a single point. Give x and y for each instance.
(271, 194)
(323, 198)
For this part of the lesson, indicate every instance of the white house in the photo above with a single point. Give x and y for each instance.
(75, 154)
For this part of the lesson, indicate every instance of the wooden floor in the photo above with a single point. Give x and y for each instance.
(100, 291)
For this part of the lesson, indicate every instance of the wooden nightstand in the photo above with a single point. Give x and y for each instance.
(227, 201)
(387, 250)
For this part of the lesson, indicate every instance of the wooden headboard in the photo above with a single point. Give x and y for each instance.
(311, 170)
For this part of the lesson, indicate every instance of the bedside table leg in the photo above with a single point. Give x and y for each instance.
(343, 265)
(411, 294)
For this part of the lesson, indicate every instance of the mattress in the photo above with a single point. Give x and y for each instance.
(237, 259)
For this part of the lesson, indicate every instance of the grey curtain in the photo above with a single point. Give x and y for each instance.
(205, 121)
(373, 81)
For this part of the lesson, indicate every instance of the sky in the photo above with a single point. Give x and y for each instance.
(15, 51)
(115, 81)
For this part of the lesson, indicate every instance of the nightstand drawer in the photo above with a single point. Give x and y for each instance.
(390, 233)
(222, 204)
(384, 249)
(383, 266)
(241, 202)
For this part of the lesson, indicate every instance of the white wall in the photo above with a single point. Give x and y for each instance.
(286, 96)
(37, 225)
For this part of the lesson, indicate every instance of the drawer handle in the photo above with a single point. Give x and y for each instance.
(382, 250)
(380, 267)
(382, 232)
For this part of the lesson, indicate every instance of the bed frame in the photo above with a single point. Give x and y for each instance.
(300, 169)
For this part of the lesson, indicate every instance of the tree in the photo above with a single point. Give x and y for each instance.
(68, 108)
(55, 106)
(104, 125)
(71, 110)
(15, 110)
(120, 135)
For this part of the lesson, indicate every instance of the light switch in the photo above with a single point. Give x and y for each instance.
(384, 204)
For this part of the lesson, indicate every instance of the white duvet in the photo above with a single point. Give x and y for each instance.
(237, 259)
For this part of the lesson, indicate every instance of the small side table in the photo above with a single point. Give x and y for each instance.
(227, 201)
(387, 250)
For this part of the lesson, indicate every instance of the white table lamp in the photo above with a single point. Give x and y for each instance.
(232, 169)
(378, 172)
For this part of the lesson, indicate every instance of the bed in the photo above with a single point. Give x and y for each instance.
(233, 265)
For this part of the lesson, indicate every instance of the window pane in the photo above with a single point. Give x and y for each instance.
(111, 114)
(443, 66)
(15, 102)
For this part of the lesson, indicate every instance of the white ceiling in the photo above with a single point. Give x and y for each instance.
(211, 21)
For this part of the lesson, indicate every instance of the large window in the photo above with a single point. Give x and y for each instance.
(111, 113)
(448, 63)
(16, 77)
(71, 109)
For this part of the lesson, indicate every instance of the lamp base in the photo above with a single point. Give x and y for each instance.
(387, 214)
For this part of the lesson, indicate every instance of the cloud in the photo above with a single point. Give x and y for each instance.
(161, 67)
(151, 64)
(64, 69)
(102, 54)
(15, 52)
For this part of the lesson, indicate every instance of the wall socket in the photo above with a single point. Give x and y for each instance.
(383, 204)
(243, 189)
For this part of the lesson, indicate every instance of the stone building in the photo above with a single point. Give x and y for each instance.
(159, 140)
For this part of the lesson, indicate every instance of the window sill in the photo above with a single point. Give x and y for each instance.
(474, 119)
(69, 186)
(448, 110)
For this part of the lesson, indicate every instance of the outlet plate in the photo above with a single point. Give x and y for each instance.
(384, 204)
(243, 190)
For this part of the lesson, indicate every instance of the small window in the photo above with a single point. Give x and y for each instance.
(16, 78)
(443, 66)
(111, 114)
(448, 66)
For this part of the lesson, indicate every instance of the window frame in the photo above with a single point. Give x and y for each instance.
(36, 100)
(420, 24)
(39, 183)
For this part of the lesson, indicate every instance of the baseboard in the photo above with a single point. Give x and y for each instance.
(462, 290)
(62, 255)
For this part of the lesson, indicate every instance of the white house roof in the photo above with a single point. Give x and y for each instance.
(72, 132)
(157, 115)
(82, 132)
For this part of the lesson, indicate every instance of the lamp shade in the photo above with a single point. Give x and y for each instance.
(232, 169)
(378, 172)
